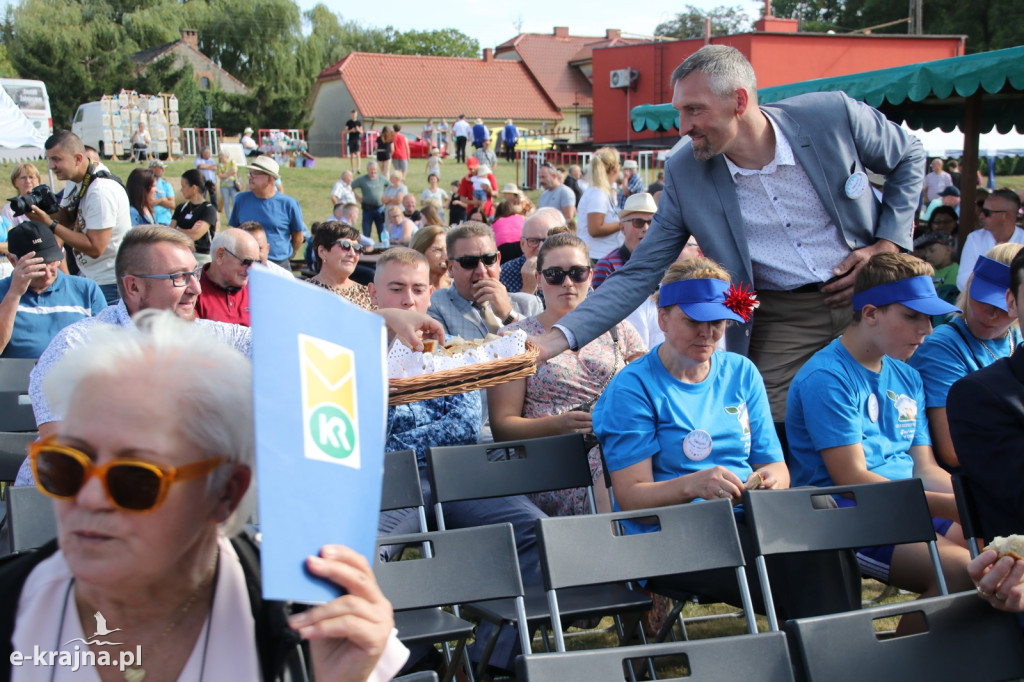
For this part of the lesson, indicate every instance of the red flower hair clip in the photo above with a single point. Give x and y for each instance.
(742, 301)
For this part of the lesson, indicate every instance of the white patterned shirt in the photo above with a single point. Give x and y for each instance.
(791, 237)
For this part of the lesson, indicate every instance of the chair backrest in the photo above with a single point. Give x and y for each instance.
(15, 404)
(969, 521)
(790, 521)
(12, 452)
(400, 488)
(966, 640)
(30, 518)
(692, 537)
(464, 472)
(482, 560)
(764, 658)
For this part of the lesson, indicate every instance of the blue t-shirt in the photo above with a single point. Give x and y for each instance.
(41, 316)
(952, 352)
(646, 413)
(835, 401)
(164, 189)
(280, 215)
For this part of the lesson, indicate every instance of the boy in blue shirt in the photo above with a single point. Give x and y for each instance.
(856, 414)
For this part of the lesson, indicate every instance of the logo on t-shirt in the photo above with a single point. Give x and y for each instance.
(906, 407)
(741, 414)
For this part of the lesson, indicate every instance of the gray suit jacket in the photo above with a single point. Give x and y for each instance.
(832, 136)
(460, 318)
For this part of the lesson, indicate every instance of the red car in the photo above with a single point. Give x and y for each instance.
(418, 147)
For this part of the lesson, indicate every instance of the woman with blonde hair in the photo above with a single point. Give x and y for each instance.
(599, 225)
(431, 242)
(982, 334)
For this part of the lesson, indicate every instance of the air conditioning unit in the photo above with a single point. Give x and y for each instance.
(623, 78)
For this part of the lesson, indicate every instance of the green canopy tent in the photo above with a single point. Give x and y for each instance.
(976, 92)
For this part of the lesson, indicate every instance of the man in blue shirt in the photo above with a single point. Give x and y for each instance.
(38, 300)
(279, 214)
(856, 414)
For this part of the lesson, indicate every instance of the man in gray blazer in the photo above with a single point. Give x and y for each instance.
(778, 195)
(477, 302)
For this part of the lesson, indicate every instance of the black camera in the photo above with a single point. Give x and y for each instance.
(40, 195)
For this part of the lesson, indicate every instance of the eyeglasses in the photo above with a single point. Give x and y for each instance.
(178, 279)
(987, 212)
(245, 262)
(129, 484)
(470, 262)
(347, 245)
(640, 223)
(534, 242)
(577, 273)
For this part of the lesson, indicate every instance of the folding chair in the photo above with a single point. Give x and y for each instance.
(424, 676)
(688, 538)
(464, 473)
(15, 404)
(752, 658)
(966, 639)
(401, 487)
(30, 518)
(786, 521)
(483, 560)
(965, 507)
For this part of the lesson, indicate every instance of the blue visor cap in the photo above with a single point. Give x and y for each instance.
(990, 282)
(702, 300)
(916, 293)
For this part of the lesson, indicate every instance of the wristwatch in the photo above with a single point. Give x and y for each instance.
(53, 226)
(512, 317)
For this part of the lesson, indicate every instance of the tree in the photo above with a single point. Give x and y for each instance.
(690, 22)
(446, 42)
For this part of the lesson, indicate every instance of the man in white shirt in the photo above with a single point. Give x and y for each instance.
(936, 181)
(461, 129)
(342, 192)
(998, 218)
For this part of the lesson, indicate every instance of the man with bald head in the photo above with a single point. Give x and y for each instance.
(342, 192)
(520, 274)
(225, 294)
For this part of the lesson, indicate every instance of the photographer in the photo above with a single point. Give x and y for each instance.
(94, 213)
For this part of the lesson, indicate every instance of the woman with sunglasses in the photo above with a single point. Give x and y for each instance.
(337, 250)
(196, 217)
(558, 398)
(982, 334)
(151, 472)
(431, 241)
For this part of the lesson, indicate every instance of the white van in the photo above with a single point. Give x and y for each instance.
(31, 98)
(92, 125)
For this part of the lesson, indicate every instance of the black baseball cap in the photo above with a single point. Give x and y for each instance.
(33, 236)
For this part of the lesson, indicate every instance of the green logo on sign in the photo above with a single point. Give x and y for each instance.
(332, 431)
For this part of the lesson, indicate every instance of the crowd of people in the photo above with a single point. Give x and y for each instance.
(733, 326)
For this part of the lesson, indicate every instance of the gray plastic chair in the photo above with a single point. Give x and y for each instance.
(751, 658)
(467, 564)
(30, 519)
(969, 521)
(966, 640)
(786, 521)
(15, 404)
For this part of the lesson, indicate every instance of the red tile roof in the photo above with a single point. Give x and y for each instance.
(410, 87)
(547, 56)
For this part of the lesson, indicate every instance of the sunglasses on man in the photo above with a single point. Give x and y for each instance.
(470, 262)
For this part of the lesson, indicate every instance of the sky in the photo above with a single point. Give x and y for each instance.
(492, 22)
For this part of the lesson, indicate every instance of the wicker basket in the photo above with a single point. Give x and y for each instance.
(463, 379)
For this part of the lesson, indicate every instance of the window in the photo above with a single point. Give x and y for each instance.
(204, 83)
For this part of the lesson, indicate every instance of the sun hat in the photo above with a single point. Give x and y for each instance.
(511, 188)
(703, 300)
(157, 163)
(265, 164)
(630, 164)
(916, 293)
(483, 170)
(990, 281)
(641, 202)
(247, 130)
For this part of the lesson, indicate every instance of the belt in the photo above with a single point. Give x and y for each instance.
(812, 288)
(371, 207)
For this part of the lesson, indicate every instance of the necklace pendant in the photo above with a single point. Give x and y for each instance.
(134, 674)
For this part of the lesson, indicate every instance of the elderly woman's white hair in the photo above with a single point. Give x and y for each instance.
(212, 383)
